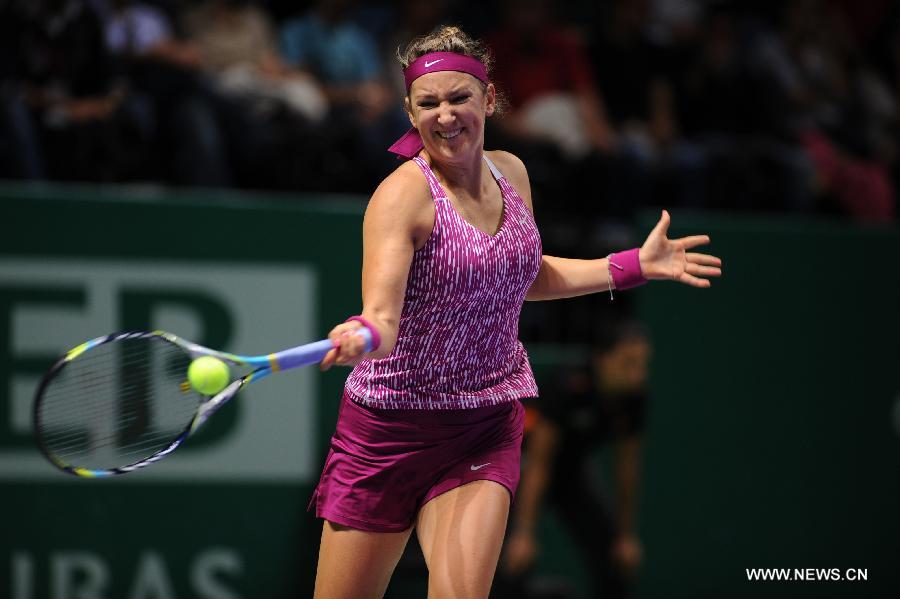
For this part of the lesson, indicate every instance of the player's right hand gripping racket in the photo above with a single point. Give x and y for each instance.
(118, 403)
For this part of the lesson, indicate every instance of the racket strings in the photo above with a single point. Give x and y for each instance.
(117, 404)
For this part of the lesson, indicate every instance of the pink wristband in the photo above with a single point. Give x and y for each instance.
(625, 268)
(376, 338)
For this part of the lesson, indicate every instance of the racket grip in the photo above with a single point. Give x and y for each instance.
(312, 353)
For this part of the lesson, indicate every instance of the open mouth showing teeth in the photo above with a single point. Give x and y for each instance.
(449, 134)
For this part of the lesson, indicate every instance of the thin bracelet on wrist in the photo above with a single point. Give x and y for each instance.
(609, 277)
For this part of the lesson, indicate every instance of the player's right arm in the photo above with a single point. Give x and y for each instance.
(398, 220)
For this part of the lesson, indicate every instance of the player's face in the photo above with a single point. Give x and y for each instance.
(449, 109)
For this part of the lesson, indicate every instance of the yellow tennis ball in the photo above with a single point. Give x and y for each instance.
(208, 375)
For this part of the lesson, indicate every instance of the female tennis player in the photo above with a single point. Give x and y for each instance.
(429, 430)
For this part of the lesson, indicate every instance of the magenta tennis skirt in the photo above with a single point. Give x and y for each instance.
(384, 465)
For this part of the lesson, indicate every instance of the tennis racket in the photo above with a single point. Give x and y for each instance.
(118, 403)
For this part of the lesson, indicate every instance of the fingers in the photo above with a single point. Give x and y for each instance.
(704, 271)
(693, 281)
(702, 265)
(328, 361)
(703, 259)
(693, 241)
(348, 346)
(662, 227)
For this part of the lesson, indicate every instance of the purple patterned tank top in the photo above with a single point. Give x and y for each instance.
(458, 344)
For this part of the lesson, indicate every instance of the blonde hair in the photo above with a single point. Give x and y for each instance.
(449, 38)
(446, 39)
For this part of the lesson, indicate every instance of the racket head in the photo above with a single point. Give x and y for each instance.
(118, 403)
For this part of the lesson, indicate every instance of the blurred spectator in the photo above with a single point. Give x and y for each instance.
(177, 104)
(820, 91)
(636, 53)
(601, 404)
(367, 113)
(885, 53)
(673, 21)
(714, 93)
(239, 45)
(85, 128)
(631, 72)
(20, 156)
(791, 106)
(328, 43)
(544, 73)
(863, 20)
(884, 49)
(753, 163)
(282, 135)
(414, 18)
(554, 119)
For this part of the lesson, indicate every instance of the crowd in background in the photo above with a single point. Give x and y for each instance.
(614, 105)
(781, 106)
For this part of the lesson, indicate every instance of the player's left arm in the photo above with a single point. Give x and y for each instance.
(661, 258)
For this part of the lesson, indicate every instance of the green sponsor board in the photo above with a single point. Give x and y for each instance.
(161, 541)
(773, 434)
(772, 439)
(225, 516)
(258, 308)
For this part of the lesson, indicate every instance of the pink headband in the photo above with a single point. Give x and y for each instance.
(444, 61)
(411, 143)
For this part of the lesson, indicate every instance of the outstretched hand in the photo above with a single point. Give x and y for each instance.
(669, 259)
